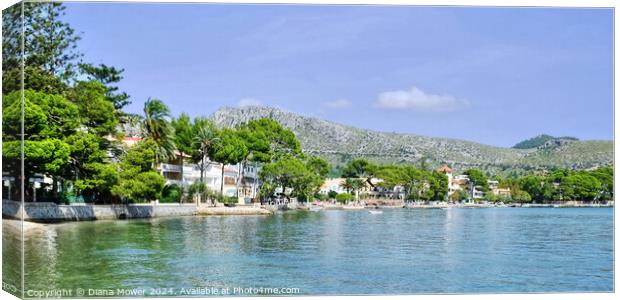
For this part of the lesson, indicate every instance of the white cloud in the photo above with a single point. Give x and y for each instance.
(416, 99)
(248, 102)
(340, 103)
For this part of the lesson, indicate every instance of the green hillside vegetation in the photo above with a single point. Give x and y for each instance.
(540, 140)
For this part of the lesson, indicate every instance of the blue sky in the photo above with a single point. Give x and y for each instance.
(491, 75)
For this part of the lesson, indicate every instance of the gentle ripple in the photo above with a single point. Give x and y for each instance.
(332, 252)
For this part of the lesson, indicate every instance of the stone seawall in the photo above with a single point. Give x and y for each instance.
(243, 210)
(51, 212)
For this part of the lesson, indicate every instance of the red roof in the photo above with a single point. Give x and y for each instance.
(444, 169)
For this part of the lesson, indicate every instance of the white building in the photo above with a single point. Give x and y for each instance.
(335, 184)
(455, 182)
(245, 180)
(332, 184)
(184, 174)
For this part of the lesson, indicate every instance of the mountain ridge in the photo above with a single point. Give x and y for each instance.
(340, 143)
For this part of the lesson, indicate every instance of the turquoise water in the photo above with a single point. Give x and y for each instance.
(334, 252)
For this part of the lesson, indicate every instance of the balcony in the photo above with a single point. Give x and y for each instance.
(171, 168)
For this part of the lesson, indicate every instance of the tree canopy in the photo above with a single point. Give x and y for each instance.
(478, 178)
(290, 173)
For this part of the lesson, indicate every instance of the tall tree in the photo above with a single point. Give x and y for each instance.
(96, 112)
(267, 141)
(138, 181)
(183, 137)
(537, 187)
(318, 165)
(581, 186)
(605, 176)
(48, 121)
(108, 76)
(12, 25)
(478, 179)
(205, 136)
(359, 168)
(439, 185)
(289, 172)
(49, 42)
(89, 165)
(229, 149)
(353, 185)
(158, 128)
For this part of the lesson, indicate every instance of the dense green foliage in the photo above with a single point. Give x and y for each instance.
(344, 197)
(229, 149)
(172, 193)
(107, 76)
(299, 175)
(267, 140)
(95, 110)
(418, 184)
(562, 185)
(138, 181)
(540, 140)
(478, 179)
(183, 134)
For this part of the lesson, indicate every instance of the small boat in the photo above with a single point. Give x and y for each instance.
(316, 208)
(375, 212)
(352, 207)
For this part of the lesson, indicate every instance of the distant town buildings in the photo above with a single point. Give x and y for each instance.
(497, 191)
(337, 185)
(181, 171)
(458, 183)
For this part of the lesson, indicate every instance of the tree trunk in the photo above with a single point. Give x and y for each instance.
(202, 169)
(222, 183)
(55, 188)
(182, 164)
(241, 174)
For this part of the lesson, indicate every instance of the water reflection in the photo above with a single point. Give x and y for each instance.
(11, 257)
(332, 252)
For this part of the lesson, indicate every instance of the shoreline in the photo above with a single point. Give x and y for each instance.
(15, 226)
(37, 226)
(232, 211)
(468, 206)
(50, 213)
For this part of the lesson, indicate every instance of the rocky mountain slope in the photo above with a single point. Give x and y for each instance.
(340, 143)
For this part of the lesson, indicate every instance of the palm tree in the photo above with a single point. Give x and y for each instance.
(157, 127)
(347, 185)
(353, 185)
(205, 137)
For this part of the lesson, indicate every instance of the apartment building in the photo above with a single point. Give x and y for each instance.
(181, 171)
